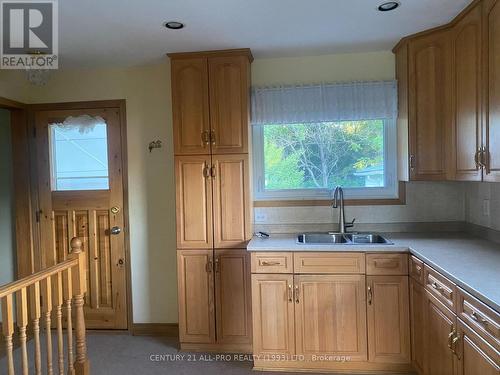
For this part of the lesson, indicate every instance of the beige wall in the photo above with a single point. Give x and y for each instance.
(151, 180)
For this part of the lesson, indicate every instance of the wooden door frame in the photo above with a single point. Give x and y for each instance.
(29, 110)
(23, 197)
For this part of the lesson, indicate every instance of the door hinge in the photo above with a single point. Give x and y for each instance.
(37, 215)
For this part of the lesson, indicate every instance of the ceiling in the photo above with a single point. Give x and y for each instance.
(126, 33)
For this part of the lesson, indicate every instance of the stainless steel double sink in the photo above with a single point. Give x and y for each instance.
(342, 239)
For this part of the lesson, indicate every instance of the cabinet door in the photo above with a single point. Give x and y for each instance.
(229, 80)
(273, 315)
(193, 202)
(388, 319)
(429, 105)
(417, 304)
(492, 84)
(440, 326)
(232, 295)
(476, 356)
(330, 316)
(196, 296)
(467, 107)
(231, 185)
(190, 106)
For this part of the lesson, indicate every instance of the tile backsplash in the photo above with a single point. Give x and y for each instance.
(426, 202)
(478, 196)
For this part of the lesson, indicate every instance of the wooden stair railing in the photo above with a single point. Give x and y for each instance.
(44, 295)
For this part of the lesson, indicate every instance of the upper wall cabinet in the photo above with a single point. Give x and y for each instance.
(491, 131)
(465, 137)
(429, 103)
(449, 98)
(210, 100)
(190, 106)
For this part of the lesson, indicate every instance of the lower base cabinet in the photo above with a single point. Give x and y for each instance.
(440, 329)
(475, 356)
(214, 300)
(330, 316)
(388, 319)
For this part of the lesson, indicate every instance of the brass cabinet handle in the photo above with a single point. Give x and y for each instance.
(206, 171)
(450, 338)
(213, 171)
(476, 159)
(217, 265)
(475, 316)
(436, 286)
(209, 266)
(370, 295)
(484, 159)
(454, 342)
(297, 299)
(205, 138)
(267, 263)
(412, 162)
(212, 136)
(290, 293)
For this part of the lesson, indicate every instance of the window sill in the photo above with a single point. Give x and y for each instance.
(401, 200)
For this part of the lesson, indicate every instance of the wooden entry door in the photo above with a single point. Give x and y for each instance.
(80, 192)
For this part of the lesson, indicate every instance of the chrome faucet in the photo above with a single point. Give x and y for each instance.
(338, 195)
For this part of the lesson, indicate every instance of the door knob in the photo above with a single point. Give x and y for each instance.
(116, 230)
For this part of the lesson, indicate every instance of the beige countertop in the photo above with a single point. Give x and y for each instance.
(470, 262)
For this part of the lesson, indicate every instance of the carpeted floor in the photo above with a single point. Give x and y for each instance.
(123, 354)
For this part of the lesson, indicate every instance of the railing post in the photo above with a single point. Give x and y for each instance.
(80, 286)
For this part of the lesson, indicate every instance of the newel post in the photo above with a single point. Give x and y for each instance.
(80, 287)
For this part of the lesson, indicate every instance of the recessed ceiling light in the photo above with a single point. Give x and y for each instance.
(174, 25)
(388, 6)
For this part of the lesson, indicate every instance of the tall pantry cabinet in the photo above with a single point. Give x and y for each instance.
(210, 100)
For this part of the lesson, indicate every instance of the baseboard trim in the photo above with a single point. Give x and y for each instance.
(155, 329)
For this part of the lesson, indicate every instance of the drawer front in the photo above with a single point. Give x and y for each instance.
(324, 263)
(416, 267)
(275, 262)
(441, 288)
(386, 264)
(484, 320)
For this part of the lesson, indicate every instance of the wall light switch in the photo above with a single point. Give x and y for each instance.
(486, 207)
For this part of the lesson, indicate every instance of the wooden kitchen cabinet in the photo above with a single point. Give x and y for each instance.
(330, 315)
(229, 82)
(440, 329)
(190, 106)
(466, 137)
(233, 297)
(476, 356)
(388, 319)
(196, 296)
(429, 104)
(193, 202)
(491, 66)
(417, 324)
(273, 314)
(231, 200)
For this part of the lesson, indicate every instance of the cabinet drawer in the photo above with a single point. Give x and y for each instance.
(329, 263)
(416, 269)
(484, 320)
(276, 262)
(386, 264)
(440, 287)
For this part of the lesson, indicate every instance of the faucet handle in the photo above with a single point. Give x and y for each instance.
(351, 224)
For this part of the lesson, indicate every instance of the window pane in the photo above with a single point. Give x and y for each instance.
(79, 157)
(311, 156)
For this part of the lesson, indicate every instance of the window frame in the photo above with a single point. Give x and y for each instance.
(390, 191)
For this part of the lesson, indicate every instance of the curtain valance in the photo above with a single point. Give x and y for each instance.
(324, 102)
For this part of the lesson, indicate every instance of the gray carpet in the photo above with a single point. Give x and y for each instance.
(121, 353)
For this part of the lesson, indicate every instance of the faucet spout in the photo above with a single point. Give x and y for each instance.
(338, 202)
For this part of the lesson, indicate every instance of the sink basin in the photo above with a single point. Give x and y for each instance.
(342, 239)
(322, 238)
